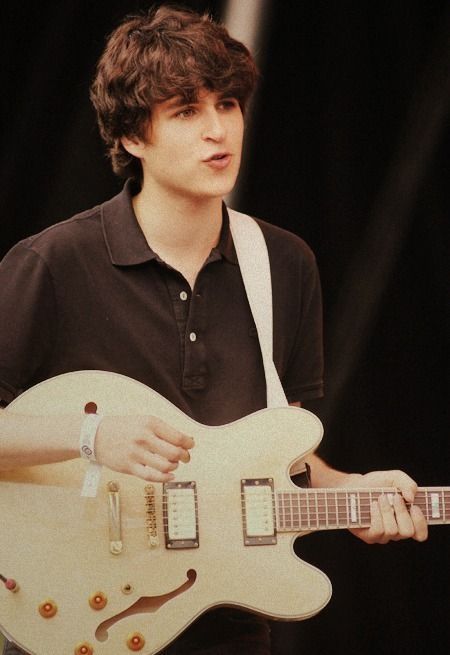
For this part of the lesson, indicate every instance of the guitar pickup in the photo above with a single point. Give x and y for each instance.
(180, 515)
(258, 512)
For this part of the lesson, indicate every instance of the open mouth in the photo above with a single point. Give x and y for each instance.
(219, 161)
(218, 157)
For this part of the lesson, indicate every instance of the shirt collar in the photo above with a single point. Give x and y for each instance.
(125, 241)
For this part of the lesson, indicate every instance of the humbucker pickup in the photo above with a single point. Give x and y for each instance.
(180, 515)
(258, 512)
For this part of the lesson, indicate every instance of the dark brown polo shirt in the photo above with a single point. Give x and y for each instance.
(89, 293)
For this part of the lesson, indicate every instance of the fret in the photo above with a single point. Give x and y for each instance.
(333, 507)
(366, 513)
(281, 523)
(308, 515)
(288, 515)
(336, 505)
(358, 496)
(435, 506)
(352, 498)
(313, 496)
(316, 508)
(302, 500)
(287, 510)
(291, 509)
(347, 503)
(284, 510)
(322, 501)
(444, 514)
(299, 513)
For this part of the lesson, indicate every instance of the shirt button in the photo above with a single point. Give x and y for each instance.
(183, 295)
(193, 336)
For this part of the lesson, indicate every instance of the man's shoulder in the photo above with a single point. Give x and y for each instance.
(57, 245)
(75, 231)
(285, 245)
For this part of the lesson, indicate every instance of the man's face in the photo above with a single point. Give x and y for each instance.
(193, 149)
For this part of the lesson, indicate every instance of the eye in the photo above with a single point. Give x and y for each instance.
(228, 103)
(187, 112)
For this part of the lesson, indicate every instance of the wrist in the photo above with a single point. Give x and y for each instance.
(88, 434)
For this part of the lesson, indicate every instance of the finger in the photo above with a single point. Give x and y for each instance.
(390, 528)
(170, 434)
(420, 523)
(155, 461)
(150, 474)
(405, 525)
(155, 444)
(405, 484)
(374, 534)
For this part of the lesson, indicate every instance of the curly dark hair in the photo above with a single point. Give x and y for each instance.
(153, 57)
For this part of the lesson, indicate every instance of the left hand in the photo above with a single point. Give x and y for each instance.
(390, 522)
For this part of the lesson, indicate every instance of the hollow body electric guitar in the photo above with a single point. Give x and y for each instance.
(129, 569)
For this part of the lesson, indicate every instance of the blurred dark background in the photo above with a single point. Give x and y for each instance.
(348, 146)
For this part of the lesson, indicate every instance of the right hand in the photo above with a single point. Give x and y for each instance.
(143, 446)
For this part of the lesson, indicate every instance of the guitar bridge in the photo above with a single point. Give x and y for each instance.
(180, 515)
(258, 512)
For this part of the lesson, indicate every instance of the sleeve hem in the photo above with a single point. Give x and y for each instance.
(305, 393)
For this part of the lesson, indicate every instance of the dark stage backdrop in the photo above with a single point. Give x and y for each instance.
(349, 147)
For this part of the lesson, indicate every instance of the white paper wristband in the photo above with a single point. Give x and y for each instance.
(88, 433)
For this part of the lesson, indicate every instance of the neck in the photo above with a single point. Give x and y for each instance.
(182, 231)
(329, 509)
(177, 224)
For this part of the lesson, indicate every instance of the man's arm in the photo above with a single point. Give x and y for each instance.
(389, 522)
(143, 446)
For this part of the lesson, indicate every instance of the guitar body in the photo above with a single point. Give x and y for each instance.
(57, 544)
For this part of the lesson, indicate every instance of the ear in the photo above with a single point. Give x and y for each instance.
(133, 145)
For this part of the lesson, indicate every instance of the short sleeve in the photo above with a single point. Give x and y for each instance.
(27, 319)
(303, 379)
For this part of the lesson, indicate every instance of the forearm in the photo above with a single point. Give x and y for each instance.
(33, 440)
(322, 475)
(388, 522)
(139, 445)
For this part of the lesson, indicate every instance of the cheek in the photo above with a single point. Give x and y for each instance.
(177, 147)
(238, 129)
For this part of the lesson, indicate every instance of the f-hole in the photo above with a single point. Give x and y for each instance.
(145, 605)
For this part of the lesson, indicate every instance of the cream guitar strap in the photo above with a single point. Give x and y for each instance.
(253, 257)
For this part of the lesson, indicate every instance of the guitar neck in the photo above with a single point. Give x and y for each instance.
(331, 509)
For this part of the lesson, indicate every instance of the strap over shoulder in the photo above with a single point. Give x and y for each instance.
(254, 263)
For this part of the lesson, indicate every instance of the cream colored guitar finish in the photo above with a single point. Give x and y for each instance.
(131, 568)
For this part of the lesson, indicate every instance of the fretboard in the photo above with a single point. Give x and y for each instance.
(328, 509)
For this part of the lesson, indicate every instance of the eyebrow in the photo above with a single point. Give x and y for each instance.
(180, 101)
(177, 101)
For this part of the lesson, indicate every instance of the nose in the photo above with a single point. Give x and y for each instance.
(213, 127)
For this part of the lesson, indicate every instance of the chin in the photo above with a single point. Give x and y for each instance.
(220, 188)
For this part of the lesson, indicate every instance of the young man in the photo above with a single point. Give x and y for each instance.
(148, 285)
